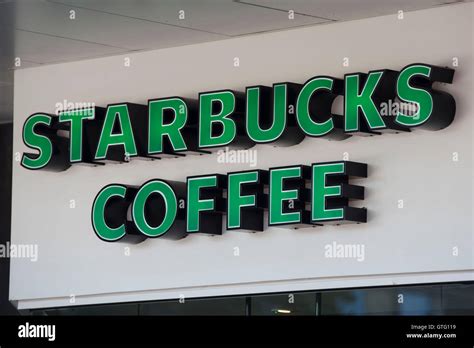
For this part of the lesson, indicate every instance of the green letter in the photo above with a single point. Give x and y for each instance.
(409, 94)
(195, 204)
(254, 131)
(101, 228)
(36, 141)
(235, 201)
(76, 118)
(157, 128)
(353, 101)
(278, 195)
(207, 118)
(320, 192)
(170, 206)
(303, 116)
(124, 138)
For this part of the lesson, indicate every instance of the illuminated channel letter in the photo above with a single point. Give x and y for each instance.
(204, 194)
(331, 192)
(110, 227)
(320, 88)
(285, 204)
(245, 200)
(154, 208)
(359, 103)
(434, 109)
(34, 140)
(40, 133)
(260, 112)
(216, 108)
(76, 119)
(167, 117)
(123, 139)
(321, 192)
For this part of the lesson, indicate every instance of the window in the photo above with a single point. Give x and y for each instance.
(284, 304)
(436, 299)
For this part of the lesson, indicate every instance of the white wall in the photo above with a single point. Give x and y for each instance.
(409, 245)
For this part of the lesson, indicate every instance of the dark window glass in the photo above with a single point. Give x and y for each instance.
(424, 300)
(118, 309)
(214, 306)
(284, 304)
(458, 299)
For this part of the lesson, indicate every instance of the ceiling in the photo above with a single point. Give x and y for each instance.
(38, 32)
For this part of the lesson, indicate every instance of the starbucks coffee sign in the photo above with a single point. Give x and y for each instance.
(300, 195)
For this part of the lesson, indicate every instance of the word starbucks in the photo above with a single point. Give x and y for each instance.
(294, 195)
(282, 115)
